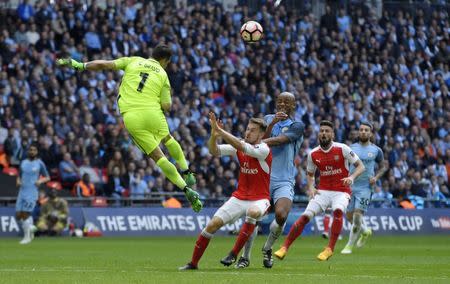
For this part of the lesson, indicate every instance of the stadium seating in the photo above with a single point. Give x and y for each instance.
(346, 65)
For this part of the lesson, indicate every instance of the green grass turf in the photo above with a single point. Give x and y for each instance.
(409, 259)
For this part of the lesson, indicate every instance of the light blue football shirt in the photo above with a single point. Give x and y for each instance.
(370, 155)
(283, 156)
(30, 171)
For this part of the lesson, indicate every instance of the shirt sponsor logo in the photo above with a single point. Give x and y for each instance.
(249, 171)
(245, 169)
(329, 171)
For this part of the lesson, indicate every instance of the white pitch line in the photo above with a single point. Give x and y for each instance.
(227, 272)
(326, 275)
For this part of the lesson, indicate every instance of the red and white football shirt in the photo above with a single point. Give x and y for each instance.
(333, 165)
(255, 166)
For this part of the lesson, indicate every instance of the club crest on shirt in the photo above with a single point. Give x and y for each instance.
(370, 155)
(336, 157)
(284, 129)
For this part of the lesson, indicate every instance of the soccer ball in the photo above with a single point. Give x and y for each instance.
(251, 31)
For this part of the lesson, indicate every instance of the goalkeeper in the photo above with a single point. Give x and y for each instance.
(144, 96)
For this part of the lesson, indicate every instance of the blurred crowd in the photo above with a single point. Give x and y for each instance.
(345, 66)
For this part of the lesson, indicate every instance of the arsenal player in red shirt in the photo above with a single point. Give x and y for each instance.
(251, 199)
(332, 159)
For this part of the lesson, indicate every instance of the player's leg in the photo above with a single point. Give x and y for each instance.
(282, 208)
(315, 206)
(354, 231)
(24, 207)
(326, 224)
(339, 202)
(254, 210)
(203, 241)
(177, 153)
(283, 195)
(350, 209)
(365, 233)
(174, 176)
(20, 217)
(147, 134)
(227, 213)
(244, 260)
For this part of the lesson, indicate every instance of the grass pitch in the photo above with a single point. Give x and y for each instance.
(412, 259)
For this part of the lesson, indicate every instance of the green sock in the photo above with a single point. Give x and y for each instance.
(176, 152)
(171, 172)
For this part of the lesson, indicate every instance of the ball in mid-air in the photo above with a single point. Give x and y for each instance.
(251, 31)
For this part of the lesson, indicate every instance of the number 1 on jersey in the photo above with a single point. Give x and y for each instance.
(142, 83)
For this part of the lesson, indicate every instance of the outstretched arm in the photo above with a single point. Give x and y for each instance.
(100, 65)
(276, 141)
(228, 137)
(279, 116)
(294, 132)
(212, 144)
(94, 65)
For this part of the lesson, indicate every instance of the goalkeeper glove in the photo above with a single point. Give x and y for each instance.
(79, 66)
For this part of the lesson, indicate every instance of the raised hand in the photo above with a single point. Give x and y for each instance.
(215, 124)
(69, 62)
(347, 181)
(279, 116)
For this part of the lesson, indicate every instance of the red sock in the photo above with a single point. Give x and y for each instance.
(336, 227)
(199, 249)
(296, 230)
(326, 223)
(246, 231)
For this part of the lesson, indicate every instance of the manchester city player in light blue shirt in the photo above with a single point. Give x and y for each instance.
(284, 137)
(32, 174)
(362, 188)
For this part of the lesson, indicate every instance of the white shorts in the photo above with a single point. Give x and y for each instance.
(235, 208)
(327, 198)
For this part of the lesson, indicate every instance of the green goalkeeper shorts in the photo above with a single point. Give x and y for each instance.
(146, 127)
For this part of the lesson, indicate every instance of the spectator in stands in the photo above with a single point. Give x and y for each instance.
(130, 174)
(94, 174)
(84, 187)
(138, 187)
(25, 11)
(117, 161)
(53, 216)
(68, 170)
(393, 71)
(116, 185)
(419, 185)
(12, 148)
(382, 198)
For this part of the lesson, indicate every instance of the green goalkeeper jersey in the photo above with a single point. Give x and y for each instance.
(145, 84)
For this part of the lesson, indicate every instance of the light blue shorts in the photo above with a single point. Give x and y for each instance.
(25, 204)
(282, 189)
(360, 200)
